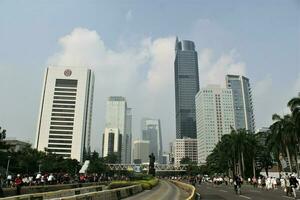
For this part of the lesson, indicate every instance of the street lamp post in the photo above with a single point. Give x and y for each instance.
(7, 167)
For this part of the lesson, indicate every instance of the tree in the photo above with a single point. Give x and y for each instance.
(185, 160)
(282, 135)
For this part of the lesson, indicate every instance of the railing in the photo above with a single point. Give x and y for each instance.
(145, 167)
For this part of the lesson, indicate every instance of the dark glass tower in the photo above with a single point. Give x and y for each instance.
(186, 87)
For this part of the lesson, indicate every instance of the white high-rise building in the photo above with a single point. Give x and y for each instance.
(64, 123)
(214, 117)
(185, 148)
(140, 151)
(112, 142)
(151, 131)
(242, 102)
(119, 116)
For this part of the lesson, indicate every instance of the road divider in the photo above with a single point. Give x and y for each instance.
(190, 189)
(47, 188)
(56, 194)
(113, 194)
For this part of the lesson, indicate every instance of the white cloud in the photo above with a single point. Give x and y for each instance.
(296, 87)
(128, 15)
(121, 73)
(213, 70)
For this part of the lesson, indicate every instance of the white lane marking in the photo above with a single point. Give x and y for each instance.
(223, 190)
(245, 197)
(288, 197)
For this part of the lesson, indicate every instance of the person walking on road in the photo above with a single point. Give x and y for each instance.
(294, 184)
(18, 183)
(237, 184)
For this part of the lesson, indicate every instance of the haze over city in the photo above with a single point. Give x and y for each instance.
(131, 48)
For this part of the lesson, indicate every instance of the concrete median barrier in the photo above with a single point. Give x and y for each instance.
(47, 188)
(56, 194)
(188, 188)
(113, 194)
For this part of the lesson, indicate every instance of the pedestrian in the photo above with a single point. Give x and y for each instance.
(294, 184)
(259, 182)
(287, 185)
(18, 183)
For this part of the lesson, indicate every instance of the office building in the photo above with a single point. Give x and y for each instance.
(119, 116)
(185, 148)
(128, 135)
(165, 158)
(151, 131)
(15, 145)
(171, 153)
(140, 151)
(65, 117)
(186, 87)
(112, 142)
(215, 117)
(242, 101)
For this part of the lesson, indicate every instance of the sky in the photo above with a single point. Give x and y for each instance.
(130, 47)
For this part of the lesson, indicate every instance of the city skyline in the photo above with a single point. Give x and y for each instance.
(132, 57)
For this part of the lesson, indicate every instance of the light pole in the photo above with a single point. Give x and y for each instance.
(7, 167)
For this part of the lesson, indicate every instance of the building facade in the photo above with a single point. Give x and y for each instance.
(185, 148)
(215, 118)
(151, 131)
(112, 142)
(186, 87)
(128, 135)
(65, 117)
(141, 151)
(119, 116)
(242, 101)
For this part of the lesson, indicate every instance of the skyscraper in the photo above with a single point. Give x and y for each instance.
(140, 151)
(65, 117)
(128, 131)
(119, 116)
(112, 142)
(215, 117)
(242, 101)
(186, 87)
(151, 131)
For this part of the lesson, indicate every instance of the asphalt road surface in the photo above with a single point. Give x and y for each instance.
(223, 192)
(163, 191)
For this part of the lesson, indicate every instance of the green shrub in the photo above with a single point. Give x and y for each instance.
(119, 184)
(146, 184)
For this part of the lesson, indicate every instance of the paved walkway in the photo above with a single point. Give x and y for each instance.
(163, 191)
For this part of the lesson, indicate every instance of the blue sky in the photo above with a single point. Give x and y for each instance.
(260, 39)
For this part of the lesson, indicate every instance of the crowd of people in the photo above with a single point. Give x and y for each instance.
(288, 182)
(40, 179)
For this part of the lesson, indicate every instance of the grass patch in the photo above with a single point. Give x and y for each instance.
(146, 184)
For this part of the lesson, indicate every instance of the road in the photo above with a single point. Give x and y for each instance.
(163, 191)
(222, 192)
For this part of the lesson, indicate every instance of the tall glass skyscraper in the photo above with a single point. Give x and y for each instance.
(186, 87)
(151, 130)
(242, 101)
(118, 116)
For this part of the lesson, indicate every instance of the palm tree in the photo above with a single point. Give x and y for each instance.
(282, 135)
(294, 105)
(239, 142)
